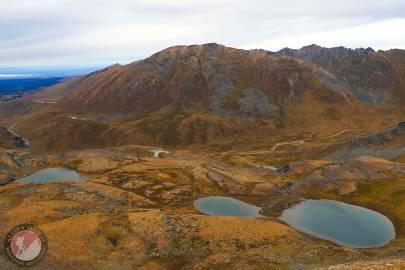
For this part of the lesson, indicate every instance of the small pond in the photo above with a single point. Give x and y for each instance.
(226, 206)
(341, 223)
(52, 175)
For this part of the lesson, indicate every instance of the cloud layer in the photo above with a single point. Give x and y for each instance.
(49, 33)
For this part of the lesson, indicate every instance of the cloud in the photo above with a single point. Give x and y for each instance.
(89, 32)
(17, 75)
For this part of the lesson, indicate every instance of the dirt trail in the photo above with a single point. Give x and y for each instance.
(10, 129)
(344, 131)
(297, 142)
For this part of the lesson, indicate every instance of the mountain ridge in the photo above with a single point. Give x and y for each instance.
(202, 94)
(371, 76)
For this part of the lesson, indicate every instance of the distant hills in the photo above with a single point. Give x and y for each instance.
(219, 96)
(15, 82)
(9, 86)
(14, 88)
(25, 73)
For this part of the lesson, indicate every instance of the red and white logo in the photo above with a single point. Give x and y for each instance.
(26, 245)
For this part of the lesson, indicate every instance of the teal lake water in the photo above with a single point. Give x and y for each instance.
(226, 206)
(52, 175)
(341, 223)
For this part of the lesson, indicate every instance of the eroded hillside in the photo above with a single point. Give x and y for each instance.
(202, 95)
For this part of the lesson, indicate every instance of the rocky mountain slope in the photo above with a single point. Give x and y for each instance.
(16, 157)
(220, 80)
(372, 77)
(205, 94)
(387, 143)
(11, 140)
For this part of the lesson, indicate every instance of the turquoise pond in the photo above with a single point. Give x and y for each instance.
(226, 206)
(52, 175)
(341, 223)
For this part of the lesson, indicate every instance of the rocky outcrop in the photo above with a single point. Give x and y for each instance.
(226, 182)
(16, 158)
(387, 144)
(345, 176)
(9, 139)
(369, 76)
(385, 137)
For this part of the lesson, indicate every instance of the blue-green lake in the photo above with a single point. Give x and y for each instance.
(52, 175)
(226, 206)
(341, 223)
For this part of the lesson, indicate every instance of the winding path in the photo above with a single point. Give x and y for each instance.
(344, 131)
(10, 129)
(274, 148)
(298, 142)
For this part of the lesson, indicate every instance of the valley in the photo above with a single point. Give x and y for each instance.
(138, 204)
(16, 88)
(145, 142)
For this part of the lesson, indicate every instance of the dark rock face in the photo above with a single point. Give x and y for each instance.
(16, 157)
(10, 140)
(370, 76)
(250, 103)
(221, 84)
(386, 144)
(284, 169)
(255, 103)
(382, 138)
(385, 153)
(313, 52)
(399, 129)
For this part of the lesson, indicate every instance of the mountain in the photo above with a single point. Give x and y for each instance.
(372, 77)
(212, 95)
(210, 77)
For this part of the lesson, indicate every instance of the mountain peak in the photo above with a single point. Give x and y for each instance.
(312, 47)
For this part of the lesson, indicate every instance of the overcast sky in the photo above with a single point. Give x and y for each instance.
(54, 33)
